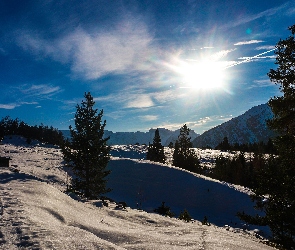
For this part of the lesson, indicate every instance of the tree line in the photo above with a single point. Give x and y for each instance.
(255, 147)
(184, 155)
(42, 133)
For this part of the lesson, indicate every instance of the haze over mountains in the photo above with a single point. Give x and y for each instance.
(249, 127)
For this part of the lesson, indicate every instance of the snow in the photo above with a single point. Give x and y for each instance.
(37, 214)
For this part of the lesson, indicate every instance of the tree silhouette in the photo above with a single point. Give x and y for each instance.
(184, 215)
(87, 152)
(275, 193)
(224, 145)
(184, 156)
(156, 150)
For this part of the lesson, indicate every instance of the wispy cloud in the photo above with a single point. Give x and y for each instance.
(91, 55)
(261, 83)
(2, 51)
(128, 99)
(266, 47)
(167, 96)
(148, 117)
(24, 94)
(8, 106)
(140, 101)
(250, 18)
(42, 89)
(15, 105)
(252, 58)
(248, 42)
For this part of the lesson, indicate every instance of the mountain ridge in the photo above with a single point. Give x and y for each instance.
(249, 127)
(131, 138)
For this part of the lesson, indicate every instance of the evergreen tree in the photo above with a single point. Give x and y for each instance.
(87, 152)
(184, 215)
(41, 133)
(156, 150)
(164, 210)
(224, 145)
(275, 194)
(184, 156)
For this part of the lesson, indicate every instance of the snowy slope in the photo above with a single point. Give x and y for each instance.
(247, 128)
(146, 185)
(35, 213)
(38, 216)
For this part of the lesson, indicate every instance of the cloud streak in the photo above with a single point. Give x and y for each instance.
(91, 55)
(249, 59)
(248, 42)
(148, 117)
(27, 92)
(39, 90)
(10, 106)
(250, 18)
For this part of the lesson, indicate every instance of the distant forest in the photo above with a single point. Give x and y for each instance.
(256, 147)
(41, 133)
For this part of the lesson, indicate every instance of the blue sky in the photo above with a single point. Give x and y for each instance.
(148, 64)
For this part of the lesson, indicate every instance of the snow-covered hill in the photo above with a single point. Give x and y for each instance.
(36, 214)
(131, 138)
(249, 127)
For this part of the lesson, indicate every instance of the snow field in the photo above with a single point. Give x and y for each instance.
(36, 214)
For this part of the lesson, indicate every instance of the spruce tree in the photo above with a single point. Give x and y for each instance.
(275, 193)
(156, 150)
(87, 152)
(184, 156)
(184, 215)
(224, 145)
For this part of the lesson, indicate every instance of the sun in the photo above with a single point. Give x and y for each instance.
(204, 74)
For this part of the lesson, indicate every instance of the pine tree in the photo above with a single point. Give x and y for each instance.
(164, 210)
(224, 145)
(87, 152)
(184, 156)
(275, 193)
(156, 150)
(184, 215)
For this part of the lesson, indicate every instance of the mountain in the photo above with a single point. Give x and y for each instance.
(249, 127)
(128, 138)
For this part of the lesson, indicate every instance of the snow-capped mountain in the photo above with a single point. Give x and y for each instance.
(249, 127)
(128, 138)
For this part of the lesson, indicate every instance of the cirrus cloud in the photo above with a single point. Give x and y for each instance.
(91, 55)
(248, 42)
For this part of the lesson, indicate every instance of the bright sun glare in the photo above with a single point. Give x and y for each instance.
(203, 75)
